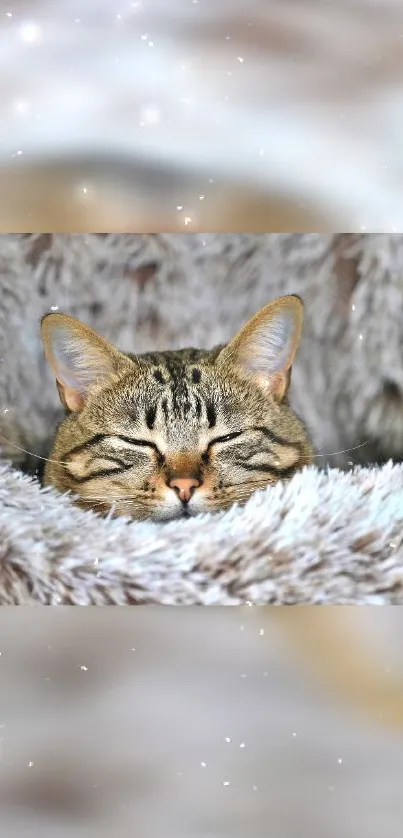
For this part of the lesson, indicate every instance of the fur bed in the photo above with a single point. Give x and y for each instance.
(324, 537)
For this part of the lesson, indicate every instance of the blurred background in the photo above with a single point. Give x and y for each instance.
(208, 723)
(197, 115)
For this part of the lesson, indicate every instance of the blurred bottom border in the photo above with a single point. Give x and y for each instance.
(201, 721)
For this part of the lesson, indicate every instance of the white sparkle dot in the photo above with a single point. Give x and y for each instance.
(227, 739)
(226, 782)
(261, 632)
(201, 197)
(187, 220)
(84, 668)
(352, 308)
(179, 207)
(150, 115)
(294, 734)
(30, 33)
(54, 308)
(7, 410)
(30, 764)
(21, 106)
(19, 152)
(203, 764)
(359, 337)
(339, 760)
(144, 37)
(240, 59)
(9, 14)
(151, 43)
(242, 745)
(119, 17)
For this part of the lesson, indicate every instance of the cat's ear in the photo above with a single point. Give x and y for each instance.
(265, 347)
(77, 356)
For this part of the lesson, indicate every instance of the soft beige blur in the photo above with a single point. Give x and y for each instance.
(138, 199)
(199, 723)
(193, 114)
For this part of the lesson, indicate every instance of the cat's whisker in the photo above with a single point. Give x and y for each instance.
(109, 499)
(239, 493)
(31, 453)
(101, 501)
(344, 451)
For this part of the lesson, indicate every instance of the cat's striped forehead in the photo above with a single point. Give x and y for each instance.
(175, 366)
(180, 390)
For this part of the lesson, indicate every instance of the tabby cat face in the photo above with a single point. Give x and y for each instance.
(178, 433)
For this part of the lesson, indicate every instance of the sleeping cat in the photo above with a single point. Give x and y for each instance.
(169, 434)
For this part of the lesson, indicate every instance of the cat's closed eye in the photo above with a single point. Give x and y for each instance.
(225, 438)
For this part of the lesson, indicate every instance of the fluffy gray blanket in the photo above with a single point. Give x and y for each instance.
(327, 536)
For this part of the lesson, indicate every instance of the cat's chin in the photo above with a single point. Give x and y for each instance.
(193, 510)
(158, 514)
(162, 515)
(177, 512)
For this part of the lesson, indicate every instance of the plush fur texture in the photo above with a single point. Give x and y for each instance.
(320, 538)
(324, 537)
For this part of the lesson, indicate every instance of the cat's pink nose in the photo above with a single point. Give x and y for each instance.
(184, 487)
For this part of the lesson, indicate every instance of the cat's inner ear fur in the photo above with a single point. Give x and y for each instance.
(265, 347)
(78, 357)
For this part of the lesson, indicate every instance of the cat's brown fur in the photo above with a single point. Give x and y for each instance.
(175, 433)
